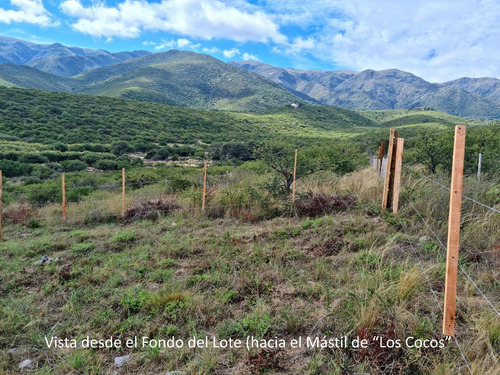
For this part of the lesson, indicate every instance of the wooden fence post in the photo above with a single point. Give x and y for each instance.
(450, 293)
(378, 159)
(204, 186)
(294, 176)
(1, 186)
(63, 197)
(123, 192)
(381, 157)
(397, 174)
(389, 171)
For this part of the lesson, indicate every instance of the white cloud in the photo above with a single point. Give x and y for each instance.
(182, 42)
(247, 56)
(179, 43)
(211, 50)
(437, 40)
(231, 53)
(29, 11)
(300, 44)
(202, 19)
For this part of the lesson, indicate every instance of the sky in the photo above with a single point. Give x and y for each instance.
(436, 40)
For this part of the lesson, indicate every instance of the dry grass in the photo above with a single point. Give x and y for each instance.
(350, 272)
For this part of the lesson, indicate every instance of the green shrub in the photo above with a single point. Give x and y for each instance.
(73, 165)
(11, 168)
(120, 148)
(77, 194)
(179, 185)
(106, 164)
(63, 147)
(33, 158)
(91, 158)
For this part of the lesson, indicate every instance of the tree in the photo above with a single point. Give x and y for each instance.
(121, 147)
(434, 150)
(59, 146)
(279, 156)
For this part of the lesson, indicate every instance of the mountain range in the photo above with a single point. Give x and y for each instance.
(58, 59)
(173, 77)
(197, 80)
(387, 89)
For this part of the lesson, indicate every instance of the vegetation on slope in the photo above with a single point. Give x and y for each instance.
(175, 77)
(45, 117)
(240, 270)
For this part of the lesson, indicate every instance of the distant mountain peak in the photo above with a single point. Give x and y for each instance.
(55, 58)
(387, 89)
(199, 80)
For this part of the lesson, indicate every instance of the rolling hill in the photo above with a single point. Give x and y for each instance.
(187, 79)
(48, 117)
(175, 77)
(196, 80)
(22, 76)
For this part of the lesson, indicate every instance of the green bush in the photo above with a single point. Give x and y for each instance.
(77, 194)
(106, 164)
(120, 148)
(44, 196)
(33, 158)
(178, 185)
(73, 165)
(63, 147)
(11, 168)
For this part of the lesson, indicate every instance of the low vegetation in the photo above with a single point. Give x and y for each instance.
(254, 262)
(249, 265)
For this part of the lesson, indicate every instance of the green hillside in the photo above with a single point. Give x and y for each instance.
(31, 78)
(48, 117)
(175, 77)
(187, 79)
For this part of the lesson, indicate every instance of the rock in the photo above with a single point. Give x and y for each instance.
(174, 373)
(12, 351)
(120, 361)
(26, 364)
(45, 260)
(423, 239)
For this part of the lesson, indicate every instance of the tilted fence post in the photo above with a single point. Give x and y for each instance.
(389, 172)
(397, 175)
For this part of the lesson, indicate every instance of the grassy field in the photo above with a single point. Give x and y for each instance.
(253, 263)
(249, 265)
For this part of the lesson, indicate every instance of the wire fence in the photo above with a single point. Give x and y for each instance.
(381, 162)
(25, 207)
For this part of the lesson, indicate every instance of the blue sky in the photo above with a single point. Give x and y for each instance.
(436, 40)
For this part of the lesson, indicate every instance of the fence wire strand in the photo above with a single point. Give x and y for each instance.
(459, 265)
(447, 188)
(434, 293)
